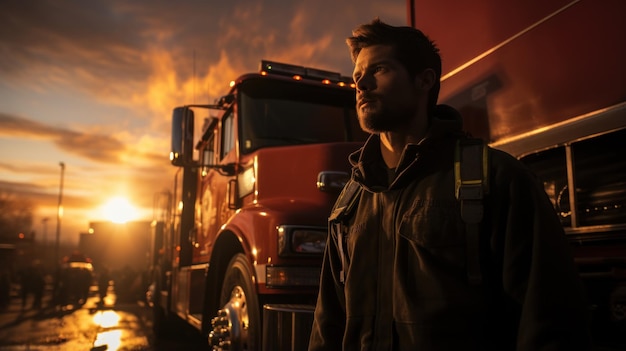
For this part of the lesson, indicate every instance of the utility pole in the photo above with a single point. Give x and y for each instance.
(59, 215)
(44, 221)
(44, 243)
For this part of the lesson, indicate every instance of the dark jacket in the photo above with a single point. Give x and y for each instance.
(406, 284)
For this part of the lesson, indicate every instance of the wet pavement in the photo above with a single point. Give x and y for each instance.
(112, 326)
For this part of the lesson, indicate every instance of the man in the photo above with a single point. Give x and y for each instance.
(399, 270)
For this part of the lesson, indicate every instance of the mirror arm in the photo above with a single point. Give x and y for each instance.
(228, 169)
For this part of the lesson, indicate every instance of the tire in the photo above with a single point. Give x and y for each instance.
(240, 308)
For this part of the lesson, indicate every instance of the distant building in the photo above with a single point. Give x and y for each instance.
(117, 246)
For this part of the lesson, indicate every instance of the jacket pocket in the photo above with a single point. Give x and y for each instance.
(433, 223)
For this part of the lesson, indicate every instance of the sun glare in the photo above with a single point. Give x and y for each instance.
(119, 210)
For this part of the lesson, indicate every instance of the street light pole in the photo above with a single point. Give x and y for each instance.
(59, 215)
(44, 243)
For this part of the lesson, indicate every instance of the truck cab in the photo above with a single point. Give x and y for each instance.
(259, 171)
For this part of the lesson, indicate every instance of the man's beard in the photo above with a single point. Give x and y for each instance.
(384, 120)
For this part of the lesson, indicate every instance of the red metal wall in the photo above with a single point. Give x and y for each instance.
(544, 60)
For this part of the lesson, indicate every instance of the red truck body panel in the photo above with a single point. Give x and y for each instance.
(545, 80)
(537, 62)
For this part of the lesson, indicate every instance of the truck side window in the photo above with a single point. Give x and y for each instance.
(550, 168)
(600, 177)
(228, 133)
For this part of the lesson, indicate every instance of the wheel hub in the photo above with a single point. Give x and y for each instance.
(230, 326)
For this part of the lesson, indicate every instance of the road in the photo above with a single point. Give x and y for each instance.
(111, 326)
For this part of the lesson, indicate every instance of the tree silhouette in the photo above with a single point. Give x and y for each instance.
(16, 216)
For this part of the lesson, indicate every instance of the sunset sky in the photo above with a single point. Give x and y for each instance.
(92, 84)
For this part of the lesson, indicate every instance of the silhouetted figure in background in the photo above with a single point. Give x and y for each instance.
(5, 288)
(103, 284)
(32, 282)
(74, 280)
(125, 284)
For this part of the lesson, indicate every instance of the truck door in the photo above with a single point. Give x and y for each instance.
(212, 208)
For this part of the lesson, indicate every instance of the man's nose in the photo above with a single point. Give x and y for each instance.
(365, 83)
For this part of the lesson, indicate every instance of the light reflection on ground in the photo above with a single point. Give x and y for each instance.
(112, 339)
(106, 319)
(112, 324)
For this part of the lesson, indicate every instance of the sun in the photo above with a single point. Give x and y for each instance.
(119, 210)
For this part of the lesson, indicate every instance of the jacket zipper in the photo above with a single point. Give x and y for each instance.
(381, 324)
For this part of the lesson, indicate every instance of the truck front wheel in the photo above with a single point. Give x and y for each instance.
(237, 326)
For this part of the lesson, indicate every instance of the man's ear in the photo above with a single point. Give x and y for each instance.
(425, 80)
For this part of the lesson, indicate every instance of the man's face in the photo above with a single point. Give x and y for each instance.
(386, 95)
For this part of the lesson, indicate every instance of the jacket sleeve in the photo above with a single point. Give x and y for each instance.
(330, 317)
(538, 270)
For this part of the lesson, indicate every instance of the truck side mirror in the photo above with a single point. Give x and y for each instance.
(233, 194)
(181, 153)
(193, 237)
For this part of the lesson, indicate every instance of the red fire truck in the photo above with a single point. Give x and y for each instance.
(545, 80)
(238, 243)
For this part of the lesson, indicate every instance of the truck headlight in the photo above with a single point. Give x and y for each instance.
(299, 240)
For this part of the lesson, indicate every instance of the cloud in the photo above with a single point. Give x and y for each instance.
(39, 196)
(126, 65)
(100, 148)
(52, 42)
(29, 189)
(157, 54)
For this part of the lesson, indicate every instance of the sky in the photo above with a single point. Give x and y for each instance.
(91, 84)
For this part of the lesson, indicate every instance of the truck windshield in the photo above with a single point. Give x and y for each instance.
(279, 113)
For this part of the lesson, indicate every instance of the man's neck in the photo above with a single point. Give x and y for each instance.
(392, 145)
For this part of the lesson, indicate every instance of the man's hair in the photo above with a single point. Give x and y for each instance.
(415, 51)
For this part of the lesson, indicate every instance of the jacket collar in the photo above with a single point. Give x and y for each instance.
(369, 169)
